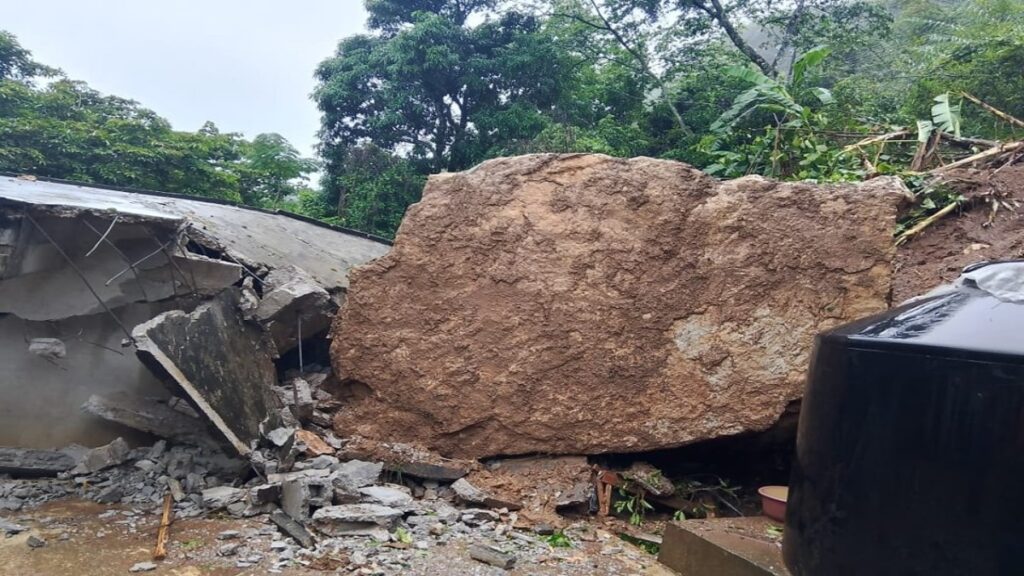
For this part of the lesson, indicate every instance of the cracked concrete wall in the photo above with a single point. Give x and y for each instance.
(40, 397)
(42, 297)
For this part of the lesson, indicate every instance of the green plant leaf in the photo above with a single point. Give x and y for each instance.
(809, 60)
(946, 115)
(924, 130)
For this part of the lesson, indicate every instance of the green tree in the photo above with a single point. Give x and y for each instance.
(272, 170)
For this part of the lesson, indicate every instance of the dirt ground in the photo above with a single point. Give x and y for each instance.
(81, 542)
(937, 255)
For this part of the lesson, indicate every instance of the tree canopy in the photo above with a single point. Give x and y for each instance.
(731, 86)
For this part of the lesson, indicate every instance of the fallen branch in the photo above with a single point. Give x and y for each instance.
(995, 111)
(882, 138)
(990, 153)
(160, 552)
(920, 226)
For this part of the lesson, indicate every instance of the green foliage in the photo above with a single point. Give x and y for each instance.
(634, 503)
(65, 129)
(558, 540)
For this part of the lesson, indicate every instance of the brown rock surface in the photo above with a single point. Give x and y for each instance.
(580, 304)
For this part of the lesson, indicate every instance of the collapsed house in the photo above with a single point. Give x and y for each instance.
(209, 294)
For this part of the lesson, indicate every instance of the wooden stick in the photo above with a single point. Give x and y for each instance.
(995, 111)
(877, 139)
(162, 534)
(991, 152)
(920, 226)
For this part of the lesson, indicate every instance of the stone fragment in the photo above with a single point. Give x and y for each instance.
(33, 463)
(229, 549)
(355, 519)
(299, 495)
(51, 348)
(652, 480)
(103, 457)
(492, 555)
(175, 487)
(220, 496)
(228, 535)
(142, 567)
(111, 494)
(478, 516)
(280, 436)
(391, 495)
(148, 415)
(641, 303)
(470, 494)
(292, 296)
(35, 542)
(10, 528)
(301, 400)
(355, 474)
(293, 529)
(217, 360)
(311, 444)
(264, 494)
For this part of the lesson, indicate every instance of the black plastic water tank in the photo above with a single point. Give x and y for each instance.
(910, 451)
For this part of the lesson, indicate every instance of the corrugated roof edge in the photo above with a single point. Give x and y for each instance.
(143, 191)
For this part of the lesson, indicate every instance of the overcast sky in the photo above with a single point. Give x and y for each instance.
(247, 65)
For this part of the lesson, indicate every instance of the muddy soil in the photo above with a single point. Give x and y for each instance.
(937, 255)
(86, 539)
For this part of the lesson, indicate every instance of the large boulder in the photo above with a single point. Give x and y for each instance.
(587, 304)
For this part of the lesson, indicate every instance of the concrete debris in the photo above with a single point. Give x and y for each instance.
(80, 266)
(221, 496)
(293, 299)
(223, 365)
(103, 457)
(35, 542)
(142, 567)
(51, 348)
(642, 303)
(300, 495)
(355, 519)
(149, 415)
(293, 529)
(492, 555)
(26, 462)
(280, 437)
(10, 528)
(470, 494)
(356, 474)
(407, 459)
(301, 402)
(391, 495)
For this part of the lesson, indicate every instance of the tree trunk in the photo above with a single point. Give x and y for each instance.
(717, 12)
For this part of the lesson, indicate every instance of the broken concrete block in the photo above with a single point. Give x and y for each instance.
(280, 436)
(406, 459)
(51, 348)
(292, 295)
(355, 519)
(149, 415)
(355, 474)
(220, 496)
(391, 495)
(472, 495)
(217, 360)
(264, 494)
(478, 516)
(142, 567)
(35, 542)
(32, 463)
(301, 401)
(492, 555)
(299, 495)
(103, 457)
(667, 305)
(293, 529)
